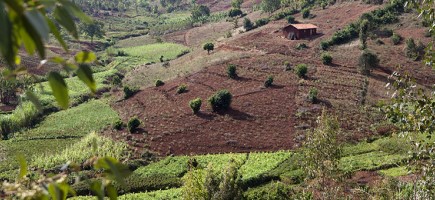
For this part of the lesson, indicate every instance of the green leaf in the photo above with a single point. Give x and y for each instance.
(111, 192)
(34, 99)
(85, 57)
(23, 166)
(63, 17)
(56, 34)
(85, 74)
(39, 23)
(35, 37)
(28, 42)
(97, 188)
(58, 191)
(75, 11)
(113, 169)
(59, 88)
(5, 35)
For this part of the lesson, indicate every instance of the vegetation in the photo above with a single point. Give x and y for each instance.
(326, 59)
(221, 100)
(270, 6)
(301, 70)
(232, 71)
(413, 50)
(301, 46)
(363, 33)
(208, 47)
(130, 91)
(395, 38)
(312, 95)
(182, 89)
(133, 124)
(291, 19)
(195, 105)
(305, 13)
(159, 83)
(367, 61)
(268, 82)
(247, 24)
(92, 29)
(200, 12)
(261, 22)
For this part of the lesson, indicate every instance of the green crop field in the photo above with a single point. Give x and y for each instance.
(152, 52)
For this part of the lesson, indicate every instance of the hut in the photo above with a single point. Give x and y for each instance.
(299, 31)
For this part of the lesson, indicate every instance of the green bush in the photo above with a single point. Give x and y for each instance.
(118, 125)
(367, 61)
(283, 14)
(208, 47)
(305, 13)
(301, 46)
(268, 82)
(247, 24)
(324, 45)
(345, 35)
(312, 95)
(234, 12)
(232, 71)
(182, 89)
(221, 100)
(159, 83)
(291, 19)
(301, 70)
(395, 38)
(414, 51)
(195, 105)
(133, 124)
(261, 22)
(326, 59)
(130, 91)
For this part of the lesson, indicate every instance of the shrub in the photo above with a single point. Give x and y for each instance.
(326, 58)
(367, 61)
(261, 22)
(379, 42)
(247, 24)
(268, 82)
(324, 45)
(301, 46)
(232, 71)
(130, 91)
(323, 5)
(234, 12)
(159, 83)
(291, 19)
(395, 38)
(301, 70)
(195, 105)
(182, 89)
(346, 34)
(121, 53)
(133, 124)
(414, 51)
(208, 47)
(118, 125)
(221, 100)
(287, 66)
(312, 95)
(305, 13)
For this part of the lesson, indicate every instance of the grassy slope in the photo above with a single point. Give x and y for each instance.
(56, 132)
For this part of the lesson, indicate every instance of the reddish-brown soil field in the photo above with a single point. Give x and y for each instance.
(263, 119)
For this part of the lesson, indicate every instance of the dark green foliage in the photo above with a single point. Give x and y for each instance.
(121, 53)
(323, 5)
(221, 100)
(195, 105)
(208, 47)
(159, 83)
(270, 6)
(414, 51)
(92, 29)
(367, 61)
(200, 11)
(232, 71)
(118, 125)
(133, 124)
(301, 70)
(291, 19)
(261, 22)
(312, 95)
(130, 91)
(326, 59)
(274, 190)
(182, 89)
(247, 24)
(301, 46)
(395, 38)
(235, 12)
(324, 45)
(268, 82)
(283, 14)
(363, 29)
(345, 35)
(116, 80)
(305, 13)
(236, 4)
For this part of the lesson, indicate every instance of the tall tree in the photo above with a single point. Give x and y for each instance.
(93, 29)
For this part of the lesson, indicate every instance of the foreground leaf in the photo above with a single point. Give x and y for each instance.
(59, 88)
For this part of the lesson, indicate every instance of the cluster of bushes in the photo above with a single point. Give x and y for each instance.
(378, 17)
(234, 12)
(283, 14)
(413, 50)
(261, 22)
(26, 115)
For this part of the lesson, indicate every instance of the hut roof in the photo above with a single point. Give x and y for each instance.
(303, 26)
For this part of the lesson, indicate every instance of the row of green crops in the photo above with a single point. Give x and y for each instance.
(56, 132)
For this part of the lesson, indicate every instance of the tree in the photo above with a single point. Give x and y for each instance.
(367, 61)
(270, 6)
(199, 12)
(93, 29)
(209, 47)
(247, 24)
(236, 4)
(364, 27)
